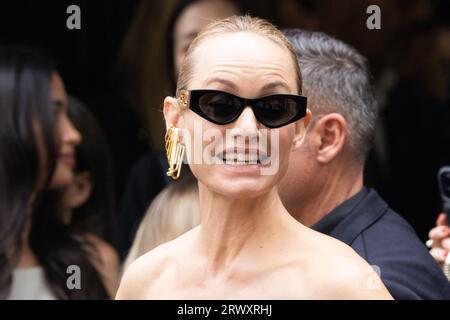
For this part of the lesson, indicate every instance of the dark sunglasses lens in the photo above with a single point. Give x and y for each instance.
(219, 107)
(276, 111)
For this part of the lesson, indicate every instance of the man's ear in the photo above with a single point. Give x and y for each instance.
(300, 130)
(171, 111)
(332, 129)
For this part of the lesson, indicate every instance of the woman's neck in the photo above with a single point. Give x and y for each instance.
(27, 258)
(230, 227)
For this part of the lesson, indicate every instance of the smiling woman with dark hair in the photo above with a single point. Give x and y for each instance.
(93, 173)
(37, 158)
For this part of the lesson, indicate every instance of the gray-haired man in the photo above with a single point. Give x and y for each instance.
(327, 193)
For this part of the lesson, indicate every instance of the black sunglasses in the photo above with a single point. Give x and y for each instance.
(221, 107)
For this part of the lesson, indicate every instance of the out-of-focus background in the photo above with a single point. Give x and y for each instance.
(118, 65)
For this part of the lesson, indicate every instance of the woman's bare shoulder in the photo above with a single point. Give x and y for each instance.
(346, 275)
(137, 278)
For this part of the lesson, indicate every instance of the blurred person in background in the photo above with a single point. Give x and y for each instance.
(173, 212)
(87, 203)
(93, 175)
(38, 146)
(187, 19)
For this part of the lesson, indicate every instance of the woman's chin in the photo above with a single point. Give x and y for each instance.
(61, 178)
(242, 186)
(235, 181)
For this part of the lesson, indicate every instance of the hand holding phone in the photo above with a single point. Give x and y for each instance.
(444, 188)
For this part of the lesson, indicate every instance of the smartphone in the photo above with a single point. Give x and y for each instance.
(444, 188)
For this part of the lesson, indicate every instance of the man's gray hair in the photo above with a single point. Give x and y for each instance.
(336, 78)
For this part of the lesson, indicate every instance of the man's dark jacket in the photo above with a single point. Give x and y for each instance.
(384, 239)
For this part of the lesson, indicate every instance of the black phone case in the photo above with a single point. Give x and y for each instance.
(444, 189)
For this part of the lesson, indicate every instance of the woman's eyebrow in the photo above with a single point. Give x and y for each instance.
(222, 81)
(265, 88)
(275, 84)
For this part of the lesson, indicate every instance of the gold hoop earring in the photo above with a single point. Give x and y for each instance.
(174, 152)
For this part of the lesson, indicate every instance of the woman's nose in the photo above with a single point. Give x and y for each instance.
(246, 125)
(70, 134)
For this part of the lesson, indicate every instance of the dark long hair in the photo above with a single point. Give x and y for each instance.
(24, 106)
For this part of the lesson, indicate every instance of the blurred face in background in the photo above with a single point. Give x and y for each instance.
(67, 137)
(193, 19)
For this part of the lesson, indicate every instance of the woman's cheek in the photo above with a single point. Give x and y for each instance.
(286, 136)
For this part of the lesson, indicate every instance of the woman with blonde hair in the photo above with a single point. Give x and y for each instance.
(240, 78)
(173, 212)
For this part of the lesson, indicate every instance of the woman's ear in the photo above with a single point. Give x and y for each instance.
(171, 111)
(300, 130)
(332, 129)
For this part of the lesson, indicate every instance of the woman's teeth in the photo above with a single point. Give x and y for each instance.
(243, 158)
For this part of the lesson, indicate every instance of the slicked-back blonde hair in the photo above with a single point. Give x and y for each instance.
(235, 24)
